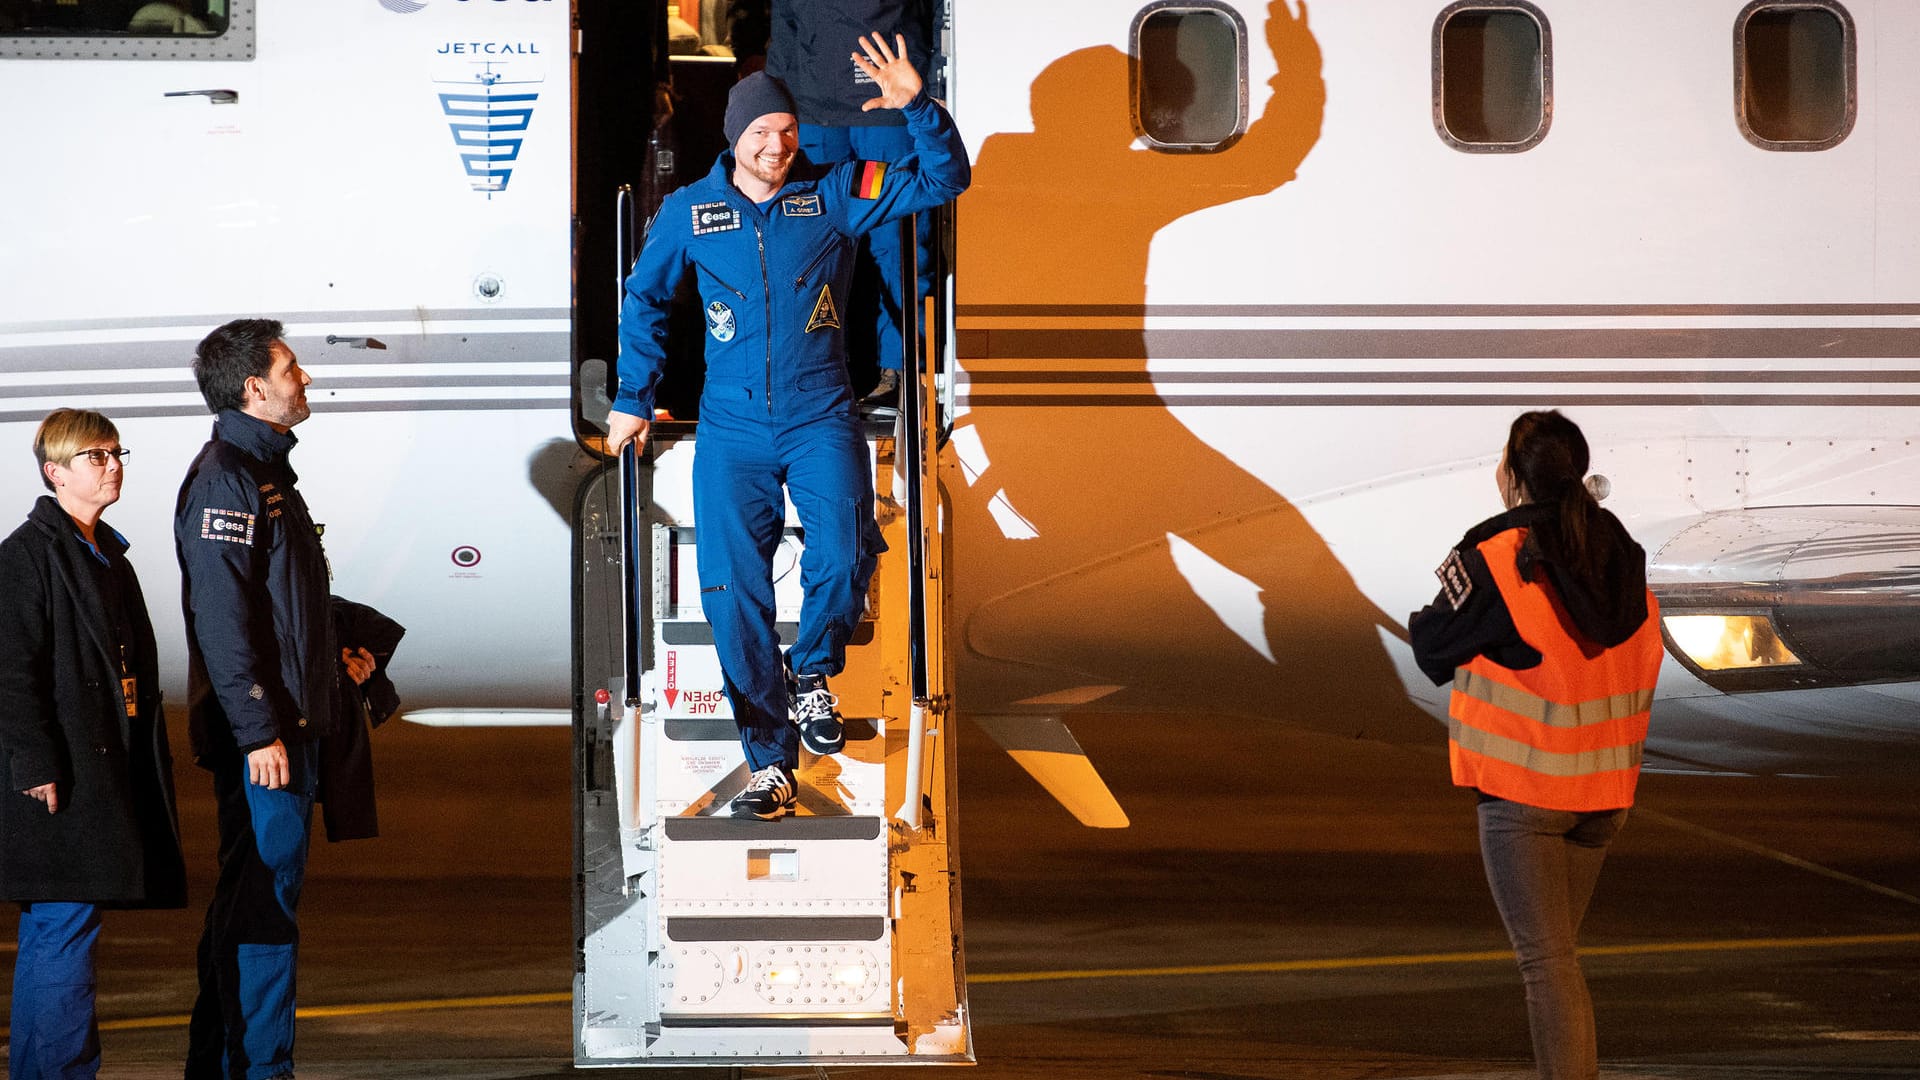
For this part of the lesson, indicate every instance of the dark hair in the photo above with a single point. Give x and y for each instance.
(1548, 456)
(228, 357)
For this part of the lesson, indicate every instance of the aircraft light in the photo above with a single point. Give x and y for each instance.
(1727, 642)
(783, 977)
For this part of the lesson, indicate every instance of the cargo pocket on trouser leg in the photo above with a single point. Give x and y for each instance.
(266, 994)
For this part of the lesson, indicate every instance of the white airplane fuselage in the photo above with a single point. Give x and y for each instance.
(1216, 415)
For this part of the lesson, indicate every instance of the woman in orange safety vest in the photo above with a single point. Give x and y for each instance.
(1547, 632)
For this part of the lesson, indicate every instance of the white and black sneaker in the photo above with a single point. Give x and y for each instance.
(821, 730)
(769, 795)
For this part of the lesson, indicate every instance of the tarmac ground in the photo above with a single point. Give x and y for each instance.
(1284, 906)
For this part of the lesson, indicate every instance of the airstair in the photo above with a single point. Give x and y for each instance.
(828, 936)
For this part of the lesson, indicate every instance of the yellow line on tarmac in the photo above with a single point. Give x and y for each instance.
(1336, 963)
(370, 1009)
(1346, 963)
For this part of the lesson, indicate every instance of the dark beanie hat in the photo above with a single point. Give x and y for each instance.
(752, 98)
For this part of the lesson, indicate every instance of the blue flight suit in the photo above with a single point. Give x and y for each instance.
(262, 664)
(777, 408)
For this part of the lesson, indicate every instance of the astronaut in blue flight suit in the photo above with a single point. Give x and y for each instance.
(771, 240)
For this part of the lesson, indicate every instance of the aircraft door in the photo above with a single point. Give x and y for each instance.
(154, 211)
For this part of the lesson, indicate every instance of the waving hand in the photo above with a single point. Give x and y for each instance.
(890, 71)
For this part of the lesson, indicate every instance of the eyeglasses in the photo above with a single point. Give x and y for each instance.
(98, 457)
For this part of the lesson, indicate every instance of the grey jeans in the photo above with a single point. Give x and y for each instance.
(1542, 865)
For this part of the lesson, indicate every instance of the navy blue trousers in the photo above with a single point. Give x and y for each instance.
(739, 469)
(52, 1035)
(242, 1026)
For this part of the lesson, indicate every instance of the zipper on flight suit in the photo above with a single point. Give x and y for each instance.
(724, 285)
(766, 295)
(801, 281)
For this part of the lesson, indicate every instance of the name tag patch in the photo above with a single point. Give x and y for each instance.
(800, 206)
(1455, 582)
(713, 217)
(233, 526)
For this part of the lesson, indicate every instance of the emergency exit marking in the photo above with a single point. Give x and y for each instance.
(466, 557)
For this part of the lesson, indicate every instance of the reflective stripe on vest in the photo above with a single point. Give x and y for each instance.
(1580, 714)
(1566, 734)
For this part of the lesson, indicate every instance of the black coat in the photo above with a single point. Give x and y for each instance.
(346, 756)
(116, 838)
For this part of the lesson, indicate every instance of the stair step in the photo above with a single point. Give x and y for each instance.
(719, 729)
(776, 927)
(833, 827)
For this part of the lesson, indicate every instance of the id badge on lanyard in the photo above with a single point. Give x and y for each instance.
(129, 686)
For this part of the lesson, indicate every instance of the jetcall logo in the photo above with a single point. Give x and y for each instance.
(489, 118)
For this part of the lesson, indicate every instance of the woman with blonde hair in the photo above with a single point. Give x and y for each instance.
(89, 819)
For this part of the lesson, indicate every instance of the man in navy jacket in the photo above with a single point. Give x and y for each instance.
(262, 678)
(803, 43)
(770, 240)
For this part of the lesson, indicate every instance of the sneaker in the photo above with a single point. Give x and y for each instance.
(769, 795)
(885, 393)
(820, 728)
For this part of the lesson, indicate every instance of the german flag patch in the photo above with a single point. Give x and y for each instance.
(868, 178)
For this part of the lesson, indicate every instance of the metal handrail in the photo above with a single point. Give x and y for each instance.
(914, 431)
(625, 248)
(630, 553)
(912, 425)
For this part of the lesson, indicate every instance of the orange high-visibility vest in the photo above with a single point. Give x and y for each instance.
(1567, 734)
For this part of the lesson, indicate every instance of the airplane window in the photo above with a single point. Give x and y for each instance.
(1492, 76)
(1794, 74)
(1189, 76)
(126, 29)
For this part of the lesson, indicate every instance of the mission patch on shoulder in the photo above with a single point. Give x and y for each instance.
(713, 217)
(869, 177)
(233, 526)
(1454, 579)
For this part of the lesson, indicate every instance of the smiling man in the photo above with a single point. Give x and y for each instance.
(771, 240)
(263, 672)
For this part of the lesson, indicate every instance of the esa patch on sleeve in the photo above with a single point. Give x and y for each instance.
(713, 217)
(869, 179)
(233, 526)
(1454, 579)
